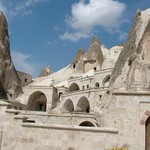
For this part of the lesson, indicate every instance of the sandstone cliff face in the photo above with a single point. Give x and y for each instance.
(133, 65)
(9, 80)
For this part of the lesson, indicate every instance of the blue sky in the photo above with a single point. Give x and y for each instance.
(50, 32)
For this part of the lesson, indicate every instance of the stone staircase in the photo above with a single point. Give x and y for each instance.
(0, 138)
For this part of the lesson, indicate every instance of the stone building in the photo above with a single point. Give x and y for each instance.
(101, 101)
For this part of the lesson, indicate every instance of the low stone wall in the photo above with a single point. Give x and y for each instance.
(29, 136)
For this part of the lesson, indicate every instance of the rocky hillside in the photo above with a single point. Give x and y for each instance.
(133, 65)
(9, 81)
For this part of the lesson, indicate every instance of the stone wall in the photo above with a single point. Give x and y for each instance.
(0, 138)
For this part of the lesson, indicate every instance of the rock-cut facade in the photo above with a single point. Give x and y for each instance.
(101, 101)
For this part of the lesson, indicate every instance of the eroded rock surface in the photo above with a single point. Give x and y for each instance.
(9, 80)
(132, 66)
(46, 71)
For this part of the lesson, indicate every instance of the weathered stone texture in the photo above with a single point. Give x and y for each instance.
(46, 71)
(1, 138)
(77, 109)
(135, 54)
(9, 80)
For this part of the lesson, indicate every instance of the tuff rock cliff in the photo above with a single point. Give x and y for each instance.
(132, 69)
(93, 56)
(9, 81)
(46, 71)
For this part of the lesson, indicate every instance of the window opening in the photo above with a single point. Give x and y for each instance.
(60, 93)
(95, 68)
(74, 65)
(25, 80)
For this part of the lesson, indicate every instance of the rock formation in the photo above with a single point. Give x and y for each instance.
(93, 57)
(9, 80)
(94, 51)
(133, 65)
(46, 71)
(78, 62)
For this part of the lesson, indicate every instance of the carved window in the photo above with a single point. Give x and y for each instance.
(60, 93)
(96, 84)
(25, 80)
(74, 65)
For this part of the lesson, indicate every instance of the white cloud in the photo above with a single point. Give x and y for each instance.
(24, 7)
(73, 36)
(21, 62)
(86, 16)
(123, 36)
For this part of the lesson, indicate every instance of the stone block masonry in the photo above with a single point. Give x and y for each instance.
(0, 138)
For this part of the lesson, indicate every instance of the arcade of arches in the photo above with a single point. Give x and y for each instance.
(37, 101)
(82, 106)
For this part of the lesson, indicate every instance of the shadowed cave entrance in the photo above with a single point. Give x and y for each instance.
(37, 101)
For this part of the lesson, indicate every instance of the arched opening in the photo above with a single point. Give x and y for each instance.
(106, 81)
(73, 87)
(37, 101)
(96, 84)
(86, 124)
(147, 134)
(68, 106)
(83, 105)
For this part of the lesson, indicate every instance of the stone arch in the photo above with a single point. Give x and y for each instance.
(147, 134)
(97, 84)
(68, 106)
(146, 121)
(145, 117)
(86, 124)
(106, 81)
(37, 101)
(83, 105)
(74, 87)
